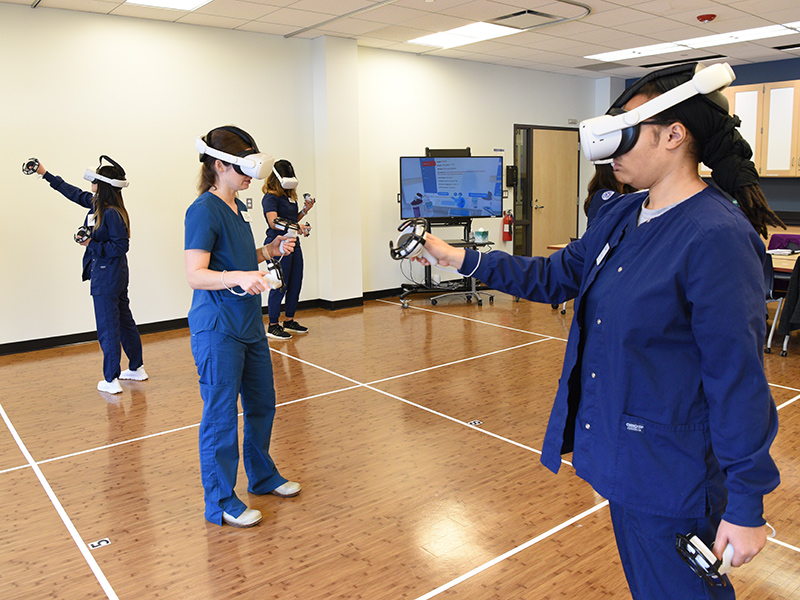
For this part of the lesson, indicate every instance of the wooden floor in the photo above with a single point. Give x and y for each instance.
(402, 497)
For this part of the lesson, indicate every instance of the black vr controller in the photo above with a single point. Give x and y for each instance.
(30, 166)
(84, 233)
(702, 561)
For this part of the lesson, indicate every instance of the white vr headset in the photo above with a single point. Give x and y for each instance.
(612, 135)
(90, 175)
(256, 165)
(287, 183)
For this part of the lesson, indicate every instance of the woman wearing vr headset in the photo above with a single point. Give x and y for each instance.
(228, 341)
(280, 200)
(663, 398)
(106, 237)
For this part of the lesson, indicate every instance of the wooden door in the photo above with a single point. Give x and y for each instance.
(555, 188)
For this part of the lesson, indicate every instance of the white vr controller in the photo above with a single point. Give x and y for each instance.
(273, 275)
(288, 229)
(411, 241)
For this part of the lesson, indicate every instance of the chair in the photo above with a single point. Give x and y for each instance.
(790, 313)
(774, 294)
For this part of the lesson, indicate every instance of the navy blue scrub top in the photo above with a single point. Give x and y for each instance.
(599, 200)
(663, 398)
(211, 225)
(286, 209)
(104, 259)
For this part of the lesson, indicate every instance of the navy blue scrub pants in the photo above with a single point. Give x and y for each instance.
(115, 325)
(292, 265)
(653, 568)
(227, 368)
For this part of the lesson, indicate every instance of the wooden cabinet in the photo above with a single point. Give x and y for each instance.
(780, 129)
(770, 115)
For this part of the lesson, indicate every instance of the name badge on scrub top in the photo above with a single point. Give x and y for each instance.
(602, 254)
(245, 215)
(90, 220)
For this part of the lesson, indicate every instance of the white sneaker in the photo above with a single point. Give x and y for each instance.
(249, 518)
(109, 387)
(287, 490)
(137, 375)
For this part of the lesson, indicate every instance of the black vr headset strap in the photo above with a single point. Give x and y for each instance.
(115, 164)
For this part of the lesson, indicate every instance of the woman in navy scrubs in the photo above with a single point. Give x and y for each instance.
(663, 398)
(105, 263)
(227, 328)
(280, 200)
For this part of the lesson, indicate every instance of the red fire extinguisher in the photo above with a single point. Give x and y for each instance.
(508, 223)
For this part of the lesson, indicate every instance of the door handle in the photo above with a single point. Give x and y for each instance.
(538, 206)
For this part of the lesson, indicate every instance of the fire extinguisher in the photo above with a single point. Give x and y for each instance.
(508, 223)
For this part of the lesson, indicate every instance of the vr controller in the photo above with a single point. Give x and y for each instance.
(274, 275)
(411, 241)
(702, 561)
(29, 166)
(288, 228)
(84, 233)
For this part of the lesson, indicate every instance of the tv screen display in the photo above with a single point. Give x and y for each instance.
(441, 188)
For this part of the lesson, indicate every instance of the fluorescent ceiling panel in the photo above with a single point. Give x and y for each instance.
(461, 36)
(721, 39)
(171, 4)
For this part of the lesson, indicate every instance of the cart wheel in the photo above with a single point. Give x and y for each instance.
(434, 301)
(784, 352)
(480, 302)
(767, 350)
(469, 299)
(491, 299)
(516, 298)
(554, 306)
(563, 311)
(404, 303)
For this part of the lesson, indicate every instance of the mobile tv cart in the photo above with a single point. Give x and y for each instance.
(467, 287)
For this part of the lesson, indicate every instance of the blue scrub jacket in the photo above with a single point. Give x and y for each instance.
(666, 407)
(104, 261)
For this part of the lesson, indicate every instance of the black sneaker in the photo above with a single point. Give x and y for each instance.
(276, 332)
(294, 327)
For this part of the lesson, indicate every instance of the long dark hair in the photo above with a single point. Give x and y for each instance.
(109, 197)
(272, 184)
(604, 179)
(226, 141)
(715, 141)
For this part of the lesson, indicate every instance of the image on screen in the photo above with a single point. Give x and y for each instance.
(451, 187)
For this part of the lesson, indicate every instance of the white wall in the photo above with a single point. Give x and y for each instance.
(409, 102)
(77, 85)
(140, 91)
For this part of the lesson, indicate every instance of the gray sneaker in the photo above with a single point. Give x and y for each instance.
(276, 332)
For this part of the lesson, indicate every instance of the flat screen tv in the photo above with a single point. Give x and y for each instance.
(451, 188)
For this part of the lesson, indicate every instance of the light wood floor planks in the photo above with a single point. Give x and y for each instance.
(402, 498)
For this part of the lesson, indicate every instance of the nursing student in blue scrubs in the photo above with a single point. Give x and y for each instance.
(280, 200)
(229, 344)
(663, 398)
(105, 263)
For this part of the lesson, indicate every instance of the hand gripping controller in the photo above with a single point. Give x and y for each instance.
(702, 561)
(411, 241)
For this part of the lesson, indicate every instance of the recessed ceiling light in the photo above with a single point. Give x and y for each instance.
(721, 39)
(170, 4)
(468, 34)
